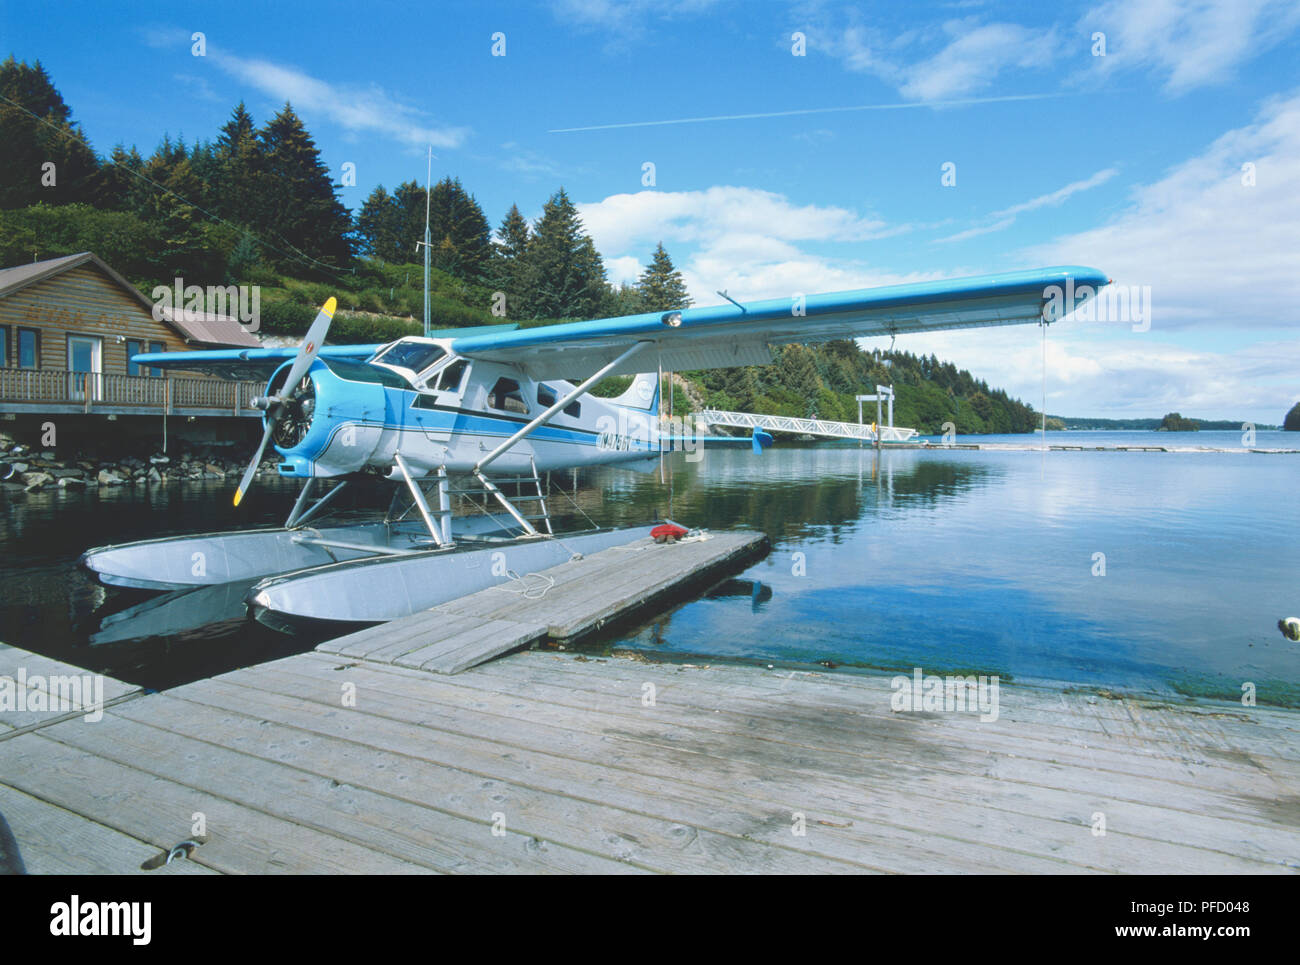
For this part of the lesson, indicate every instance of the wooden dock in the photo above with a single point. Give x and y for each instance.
(556, 763)
(564, 603)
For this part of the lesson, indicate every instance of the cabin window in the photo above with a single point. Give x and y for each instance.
(4, 345)
(416, 356)
(505, 395)
(546, 397)
(157, 347)
(134, 347)
(450, 378)
(29, 348)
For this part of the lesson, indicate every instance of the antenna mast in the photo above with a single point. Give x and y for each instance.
(428, 192)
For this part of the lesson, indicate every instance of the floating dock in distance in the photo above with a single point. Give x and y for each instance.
(1060, 447)
(563, 603)
(554, 763)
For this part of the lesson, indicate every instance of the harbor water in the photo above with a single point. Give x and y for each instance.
(1131, 571)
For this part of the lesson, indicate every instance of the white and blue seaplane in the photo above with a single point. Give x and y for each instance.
(482, 414)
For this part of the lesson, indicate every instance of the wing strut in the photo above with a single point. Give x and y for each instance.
(545, 416)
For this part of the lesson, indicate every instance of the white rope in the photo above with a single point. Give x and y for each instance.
(529, 592)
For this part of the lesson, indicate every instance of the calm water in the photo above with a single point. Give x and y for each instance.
(947, 560)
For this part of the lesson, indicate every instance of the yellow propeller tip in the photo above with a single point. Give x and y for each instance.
(238, 496)
(330, 304)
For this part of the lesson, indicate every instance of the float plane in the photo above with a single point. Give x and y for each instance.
(482, 408)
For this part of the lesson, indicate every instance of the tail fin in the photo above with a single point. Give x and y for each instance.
(642, 394)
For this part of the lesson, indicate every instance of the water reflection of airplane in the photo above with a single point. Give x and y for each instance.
(176, 612)
(486, 413)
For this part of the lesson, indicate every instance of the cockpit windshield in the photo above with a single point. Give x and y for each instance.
(416, 356)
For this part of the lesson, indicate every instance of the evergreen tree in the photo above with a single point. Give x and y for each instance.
(564, 277)
(298, 205)
(165, 205)
(510, 251)
(661, 285)
(409, 203)
(237, 173)
(461, 235)
(514, 235)
(377, 226)
(29, 144)
(119, 189)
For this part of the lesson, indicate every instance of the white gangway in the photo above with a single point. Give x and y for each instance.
(812, 427)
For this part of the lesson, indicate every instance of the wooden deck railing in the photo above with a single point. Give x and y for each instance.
(146, 393)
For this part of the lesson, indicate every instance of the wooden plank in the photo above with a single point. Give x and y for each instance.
(55, 841)
(349, 746)
(473, 647)
(903, 787)
(75, 691)
(259, 774)
(160, 811)
(581, 596)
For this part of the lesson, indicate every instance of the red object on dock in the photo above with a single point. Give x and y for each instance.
(667, 533)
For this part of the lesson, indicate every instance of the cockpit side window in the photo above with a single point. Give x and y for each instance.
(450, 378)
(505, 395)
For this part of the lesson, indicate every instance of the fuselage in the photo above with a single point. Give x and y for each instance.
(417, 398)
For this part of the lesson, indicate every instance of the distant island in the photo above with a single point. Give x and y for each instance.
(1292, 421)
(1184, 424)
(1174, 422)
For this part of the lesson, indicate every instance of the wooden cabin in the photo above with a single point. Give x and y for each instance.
(68, 329)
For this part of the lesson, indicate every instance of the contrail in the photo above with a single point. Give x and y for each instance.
(963, 102)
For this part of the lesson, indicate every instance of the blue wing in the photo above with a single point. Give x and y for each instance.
(248, 364)
(727, 335)
(253, 364)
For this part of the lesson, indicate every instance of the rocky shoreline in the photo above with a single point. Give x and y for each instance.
(26, 469)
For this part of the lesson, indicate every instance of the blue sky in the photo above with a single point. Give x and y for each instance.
(1131, 161)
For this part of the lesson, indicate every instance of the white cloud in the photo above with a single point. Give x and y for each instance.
(1192, 43)
(974, 57)
(359, 109)
(1121, 373)
(1214, 251)
(742, 239)
(1007, 216)
(958, 58)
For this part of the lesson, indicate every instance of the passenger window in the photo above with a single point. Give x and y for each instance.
(505, 395)
(546, 397)
(449, 379)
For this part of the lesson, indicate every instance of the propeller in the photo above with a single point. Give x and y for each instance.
(294, 385)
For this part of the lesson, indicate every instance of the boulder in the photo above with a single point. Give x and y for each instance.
(107, 478)
(71, 482)
(67, 473)
(33, 481)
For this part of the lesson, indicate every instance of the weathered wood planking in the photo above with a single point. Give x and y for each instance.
(565, 602)
(325, 764)
(73, 692)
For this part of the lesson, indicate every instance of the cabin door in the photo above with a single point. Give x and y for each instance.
(86, 365)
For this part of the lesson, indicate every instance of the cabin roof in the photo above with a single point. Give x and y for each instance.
(201, 327)
(211, 329)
